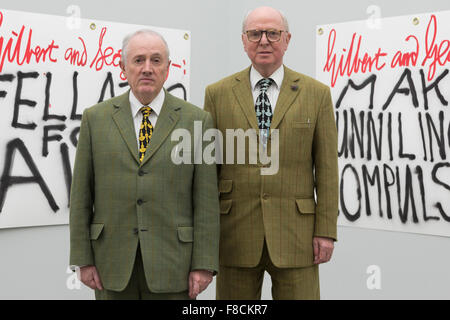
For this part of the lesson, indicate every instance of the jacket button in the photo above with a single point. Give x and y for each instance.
(135, 230)
(265, 196)
(141, 173)
(139, 202)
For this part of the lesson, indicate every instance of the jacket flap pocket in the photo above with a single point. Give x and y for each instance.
(96, 230)
(225, 206)
(306, 206)
(225, 186)
(186, 234)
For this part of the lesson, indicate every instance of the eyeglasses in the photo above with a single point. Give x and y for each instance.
(272, 35)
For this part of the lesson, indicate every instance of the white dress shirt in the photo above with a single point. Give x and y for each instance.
(136, 106)
(274, 90)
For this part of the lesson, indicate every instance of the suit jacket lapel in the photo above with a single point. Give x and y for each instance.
(243, 92)
(288, 93)
(167, 120)
(124, 120)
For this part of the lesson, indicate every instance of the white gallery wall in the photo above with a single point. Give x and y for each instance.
(33, 261)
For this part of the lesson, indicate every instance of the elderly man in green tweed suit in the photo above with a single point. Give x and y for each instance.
(273, 222)
(142, 227)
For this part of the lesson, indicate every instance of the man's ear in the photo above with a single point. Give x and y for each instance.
(288, 38)
(244, 43)
(122, 66)
(167, 70)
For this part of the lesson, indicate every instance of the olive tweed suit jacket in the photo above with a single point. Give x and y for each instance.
(282, 207)
(116, 201)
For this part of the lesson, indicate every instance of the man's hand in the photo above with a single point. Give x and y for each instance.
(323, 249)
(199, 281)
(90, 277)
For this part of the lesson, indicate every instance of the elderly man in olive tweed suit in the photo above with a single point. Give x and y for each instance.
(273, 222)
(142, 227)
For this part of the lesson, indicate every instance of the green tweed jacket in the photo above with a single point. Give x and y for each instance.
(116, 201)
(281, 207)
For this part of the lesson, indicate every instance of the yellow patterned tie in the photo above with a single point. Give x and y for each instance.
(145, 132)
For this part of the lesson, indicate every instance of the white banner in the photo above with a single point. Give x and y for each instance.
(391, 89)
(51, 69)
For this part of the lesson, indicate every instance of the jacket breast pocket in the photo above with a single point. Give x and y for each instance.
(302, 124)
(301, 136)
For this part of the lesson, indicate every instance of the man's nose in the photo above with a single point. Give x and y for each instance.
(147, 66)
(264, 40)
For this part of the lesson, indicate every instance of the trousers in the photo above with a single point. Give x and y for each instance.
(137, 288)
(241, 283)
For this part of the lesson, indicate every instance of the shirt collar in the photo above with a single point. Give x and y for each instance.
(277, 76)
(156, 104)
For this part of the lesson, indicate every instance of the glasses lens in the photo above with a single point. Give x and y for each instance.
(273, 35)
(254, 35)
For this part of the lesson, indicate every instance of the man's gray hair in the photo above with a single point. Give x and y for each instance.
(127, 39)
(283, 17)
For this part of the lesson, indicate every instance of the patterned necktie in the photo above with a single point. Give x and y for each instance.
(263, 107)
(145, 132)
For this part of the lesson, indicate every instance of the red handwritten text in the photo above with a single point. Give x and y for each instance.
(105, 56)
(12, 50)
(349, 61)
(405, 59)
(74, 57)
(439, 53)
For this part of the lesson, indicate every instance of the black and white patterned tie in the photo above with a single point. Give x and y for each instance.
(263, 107)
